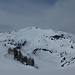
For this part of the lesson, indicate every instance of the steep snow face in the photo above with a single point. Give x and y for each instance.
(51, 50)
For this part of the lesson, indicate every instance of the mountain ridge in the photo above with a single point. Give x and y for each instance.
(48, 48)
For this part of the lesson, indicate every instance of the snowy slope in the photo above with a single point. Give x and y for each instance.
(53, 52)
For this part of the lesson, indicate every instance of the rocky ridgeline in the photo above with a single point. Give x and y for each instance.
(16, 51)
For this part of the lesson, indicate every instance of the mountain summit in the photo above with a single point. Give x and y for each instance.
(52, 51)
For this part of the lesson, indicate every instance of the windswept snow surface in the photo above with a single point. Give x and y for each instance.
(53, 56)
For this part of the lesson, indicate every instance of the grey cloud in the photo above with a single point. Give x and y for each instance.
(46, 14)
(5, 27)
(26, 7)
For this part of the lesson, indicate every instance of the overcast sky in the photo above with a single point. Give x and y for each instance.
(45, 14)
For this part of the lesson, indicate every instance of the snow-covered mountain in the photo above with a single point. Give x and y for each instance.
(52, 51)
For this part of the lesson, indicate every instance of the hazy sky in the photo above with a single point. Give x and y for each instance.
(45, 14)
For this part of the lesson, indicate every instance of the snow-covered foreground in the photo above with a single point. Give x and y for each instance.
(18, 69)
(53, 52)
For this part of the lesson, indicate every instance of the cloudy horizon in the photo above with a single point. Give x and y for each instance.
(46, 14)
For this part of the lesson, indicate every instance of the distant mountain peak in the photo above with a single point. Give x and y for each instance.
(48, 48)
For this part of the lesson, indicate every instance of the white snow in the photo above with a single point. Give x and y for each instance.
(48, 63)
